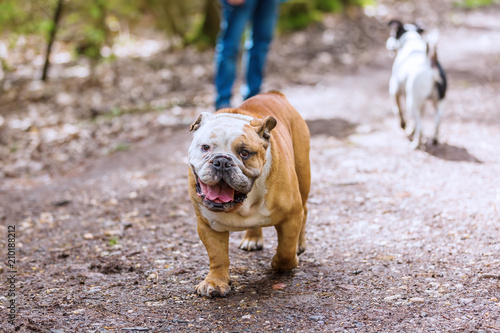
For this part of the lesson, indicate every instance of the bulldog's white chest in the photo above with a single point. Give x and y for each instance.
(258, 217)
(245, 218)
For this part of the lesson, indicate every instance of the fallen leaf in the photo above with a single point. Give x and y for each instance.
(278, 286)
(417, 300)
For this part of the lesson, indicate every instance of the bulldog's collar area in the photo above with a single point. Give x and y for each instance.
(220, 197)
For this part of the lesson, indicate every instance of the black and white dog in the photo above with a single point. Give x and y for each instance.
(416, 75)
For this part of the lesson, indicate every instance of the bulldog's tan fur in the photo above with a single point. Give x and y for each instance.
(279, 173)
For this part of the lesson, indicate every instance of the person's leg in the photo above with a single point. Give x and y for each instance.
(234, 19)
(263, 24)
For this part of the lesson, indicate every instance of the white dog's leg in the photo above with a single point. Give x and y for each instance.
(437, 120)
(396, 101)
(415, 109)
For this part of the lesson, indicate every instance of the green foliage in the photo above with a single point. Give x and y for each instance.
(122, 147)
(89, 25)
(329, 5)
(25, 16)
(475, 3)
(298, 14)
(14, 147)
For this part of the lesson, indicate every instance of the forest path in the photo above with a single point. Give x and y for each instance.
(398, 240)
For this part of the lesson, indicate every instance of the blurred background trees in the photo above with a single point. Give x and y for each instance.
(89, 26)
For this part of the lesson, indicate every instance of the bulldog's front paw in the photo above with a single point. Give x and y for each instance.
(213, 288)
(252, 243)
(282, 264)
(253, 240)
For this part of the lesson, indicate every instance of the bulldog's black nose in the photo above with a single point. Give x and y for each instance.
(222, 162)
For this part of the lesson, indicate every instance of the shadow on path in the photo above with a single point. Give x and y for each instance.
(447, 152)
(336, 127)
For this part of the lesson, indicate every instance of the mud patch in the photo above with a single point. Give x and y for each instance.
(336, 127)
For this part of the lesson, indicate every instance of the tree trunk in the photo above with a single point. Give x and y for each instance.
(52, 37)
(211, 24)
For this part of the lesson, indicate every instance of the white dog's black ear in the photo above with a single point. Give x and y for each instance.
(265, 126)
(395, 23)
(397, 28)
(419, 26)
(199, 121)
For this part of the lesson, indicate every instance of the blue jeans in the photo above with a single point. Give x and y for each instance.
(262, 14)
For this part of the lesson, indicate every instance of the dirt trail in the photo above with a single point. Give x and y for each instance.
(398, 240)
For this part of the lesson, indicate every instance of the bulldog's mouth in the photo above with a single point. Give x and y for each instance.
(219, 197)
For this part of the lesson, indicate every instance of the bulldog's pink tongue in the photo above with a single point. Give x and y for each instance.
(219, 192)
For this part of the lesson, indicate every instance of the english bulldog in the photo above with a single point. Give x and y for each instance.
(417, 75)
(248, 169)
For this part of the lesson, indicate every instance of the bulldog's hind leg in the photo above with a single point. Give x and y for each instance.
(301, 247)
(286, 258)
(253, 240)
(216, 284)
(303, 170)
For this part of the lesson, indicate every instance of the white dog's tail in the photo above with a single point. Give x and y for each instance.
(439, 75)
(431, 41)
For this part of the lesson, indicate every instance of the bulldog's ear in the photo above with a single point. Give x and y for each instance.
(199, 121)
(264, 127)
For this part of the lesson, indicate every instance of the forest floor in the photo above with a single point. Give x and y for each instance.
(399, 240)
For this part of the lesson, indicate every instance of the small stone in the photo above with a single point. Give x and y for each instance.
(88, 235)
(246, 316)
(417, 300)
(346, 286)
(112, 202)
(112, 233)
(46, 218)
(392, 298)
(316, 318)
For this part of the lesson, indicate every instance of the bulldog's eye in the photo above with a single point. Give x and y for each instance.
(205, 147)
(245, 154)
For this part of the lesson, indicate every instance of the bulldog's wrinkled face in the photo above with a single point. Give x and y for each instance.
(226, 156)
